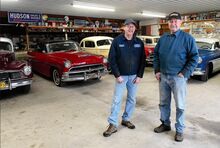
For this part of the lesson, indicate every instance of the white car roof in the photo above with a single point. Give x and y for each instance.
(7, 40)
(3, 39)
(207, 40)
(96, 38)
(146, 36)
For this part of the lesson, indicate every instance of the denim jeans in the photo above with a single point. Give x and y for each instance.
(176, 85)
(117, 99)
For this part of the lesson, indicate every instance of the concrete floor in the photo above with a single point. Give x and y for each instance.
(75, 116)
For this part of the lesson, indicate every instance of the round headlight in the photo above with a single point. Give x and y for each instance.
(200, 60)
(67, 64)
(27, 70)
(105, 60)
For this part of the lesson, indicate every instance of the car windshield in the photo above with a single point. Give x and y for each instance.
(62, 46)
(204, 45)
(104, 42)
(151, 40)
(5, 46)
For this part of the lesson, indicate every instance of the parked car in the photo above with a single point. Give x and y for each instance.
(99, 45)
(63, 61)
(209, 57)
(13, 73)
(149, 45)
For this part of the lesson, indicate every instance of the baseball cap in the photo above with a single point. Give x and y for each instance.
(175, 15)
(130, 21)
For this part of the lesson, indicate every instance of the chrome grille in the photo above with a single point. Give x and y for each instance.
(151, 56)
(11, 74)
(87, 68)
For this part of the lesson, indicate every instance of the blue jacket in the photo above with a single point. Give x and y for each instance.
(127, 57)
(176, 53)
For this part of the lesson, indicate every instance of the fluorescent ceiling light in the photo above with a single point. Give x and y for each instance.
(153, 14)
(9, 0)
(92, 6)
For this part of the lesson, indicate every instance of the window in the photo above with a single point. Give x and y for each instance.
(62, 46)
(156, 40)
(148, 41)
(89, 44)
(103, 42)
(5, 46)
(204, 45)
(216, 45)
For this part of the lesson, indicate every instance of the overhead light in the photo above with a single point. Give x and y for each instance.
(91, 6)
(9, 0)
(153, 14)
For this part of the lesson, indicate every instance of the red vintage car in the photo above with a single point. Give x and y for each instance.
(63, 61)
(13, 73)
(149, 44)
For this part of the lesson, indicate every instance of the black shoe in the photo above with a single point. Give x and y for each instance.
(111, 129)
(162, 128)
(128, 124)
(179, 137)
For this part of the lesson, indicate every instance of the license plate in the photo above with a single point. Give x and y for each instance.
(2, 85)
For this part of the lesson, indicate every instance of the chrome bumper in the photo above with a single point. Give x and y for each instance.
(198, 72)
(11, 84)
(86, 75)
(149, 61)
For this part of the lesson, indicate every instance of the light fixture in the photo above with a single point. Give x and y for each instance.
(92, 6)
(153, 14)
(9, 0)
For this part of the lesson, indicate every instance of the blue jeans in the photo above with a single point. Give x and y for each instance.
(117, 99)
(176, 85)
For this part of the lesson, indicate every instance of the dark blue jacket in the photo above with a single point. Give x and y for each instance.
(175, 53)
(127, 57)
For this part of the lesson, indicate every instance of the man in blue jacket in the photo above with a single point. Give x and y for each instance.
(175, 57)
(127, 62)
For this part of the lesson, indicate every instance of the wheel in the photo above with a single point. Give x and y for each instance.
(26, 89)
(56, 78)
(205, 77)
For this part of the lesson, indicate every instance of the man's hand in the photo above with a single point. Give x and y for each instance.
(181, 75)
(119, 79)
(157, 75)
(137, 80)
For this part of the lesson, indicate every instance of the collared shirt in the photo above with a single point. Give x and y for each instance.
(176, 53)
(127, 57)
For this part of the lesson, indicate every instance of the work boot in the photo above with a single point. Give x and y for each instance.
(111, 129)
(179, 137)
(128, 124)
(162, 128)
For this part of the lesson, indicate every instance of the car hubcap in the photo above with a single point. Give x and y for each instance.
(56, 77)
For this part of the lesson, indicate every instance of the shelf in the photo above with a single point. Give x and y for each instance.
(68, 29)
(206, 26)
(189, 21)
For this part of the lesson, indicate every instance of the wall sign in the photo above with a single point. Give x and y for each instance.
(19, 17)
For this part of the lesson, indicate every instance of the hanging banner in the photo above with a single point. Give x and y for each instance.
(19, 17)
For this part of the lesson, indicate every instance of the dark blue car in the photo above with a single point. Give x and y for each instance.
(209, 57)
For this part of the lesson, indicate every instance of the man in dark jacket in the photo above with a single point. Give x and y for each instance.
(127, 62)
(175, 57)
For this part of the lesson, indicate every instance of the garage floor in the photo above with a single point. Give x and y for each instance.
(75, 116)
